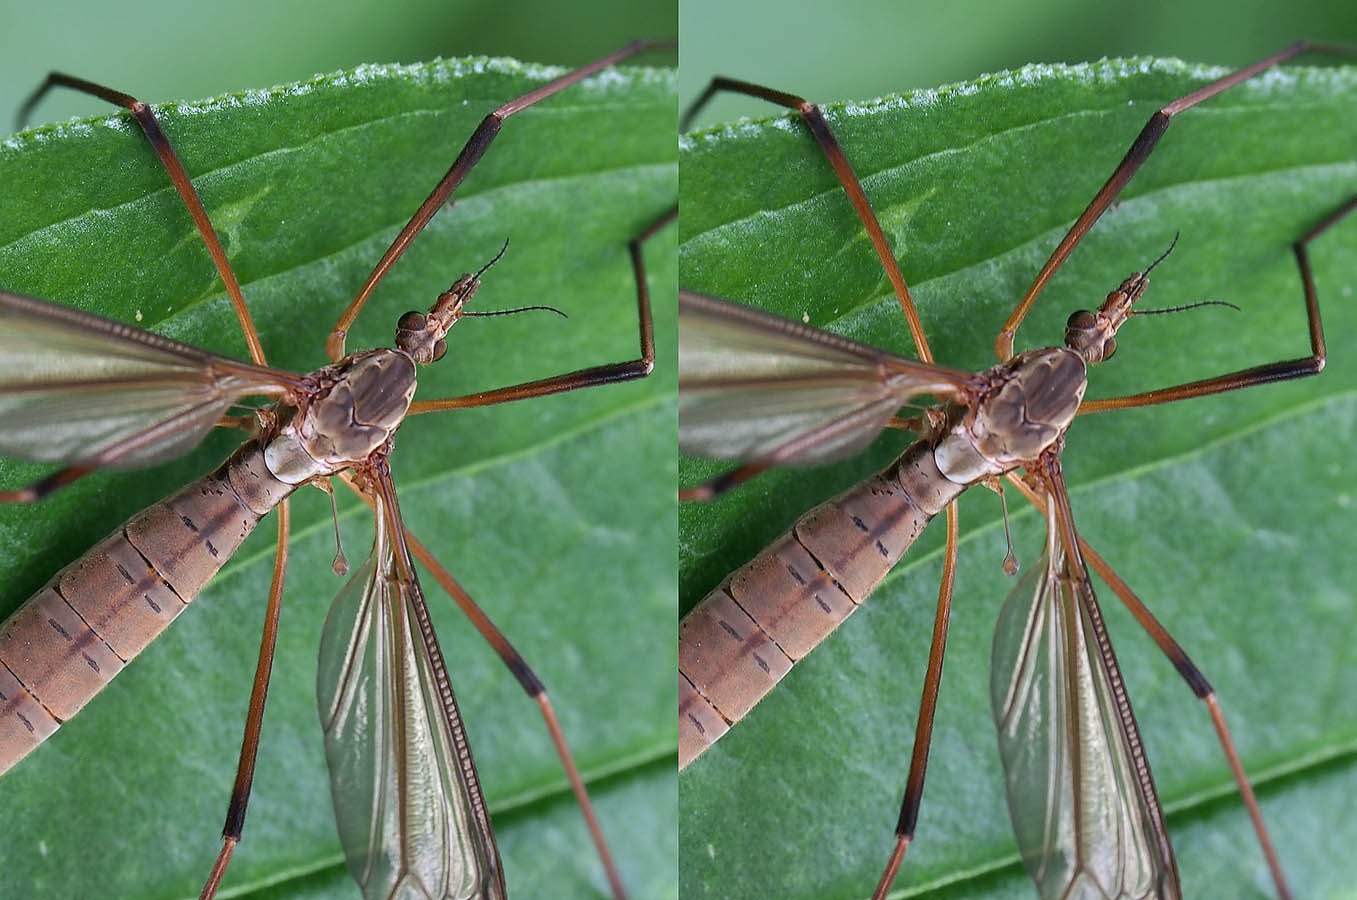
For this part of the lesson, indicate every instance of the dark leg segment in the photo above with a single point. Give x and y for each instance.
(45, 487)
(580, 378)
(472, 152)
(535, 689)
(150, 126)
(254, 718)
(824, 136)
(1202, 688)
(1195, 680)
(710, 490)
(532, 685)
(1277, 371)
(1135, 157)
(928, 706)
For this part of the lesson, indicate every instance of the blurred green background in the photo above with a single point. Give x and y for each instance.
(866, 48)
(160, 50)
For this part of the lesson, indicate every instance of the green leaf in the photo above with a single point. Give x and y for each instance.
(1232, 516)
(557, 513)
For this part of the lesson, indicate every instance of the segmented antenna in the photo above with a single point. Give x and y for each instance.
(1184, 308)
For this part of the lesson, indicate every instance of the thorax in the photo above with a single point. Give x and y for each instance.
(1024, 407)
(351, 409)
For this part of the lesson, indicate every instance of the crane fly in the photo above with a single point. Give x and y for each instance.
(86, 392)
(768, 392)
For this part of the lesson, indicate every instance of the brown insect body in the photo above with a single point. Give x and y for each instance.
(744, 636)
(63, 645)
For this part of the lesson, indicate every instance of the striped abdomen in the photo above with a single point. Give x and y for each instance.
(746, 634)
(70, 638)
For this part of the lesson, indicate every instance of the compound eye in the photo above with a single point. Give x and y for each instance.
(412, 321)
(439, 350)
(1082, 320)
(1109, 349)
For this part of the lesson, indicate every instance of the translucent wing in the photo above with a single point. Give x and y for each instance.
(407, 800)
(1083, 806)
(78, 388)
(757, 388)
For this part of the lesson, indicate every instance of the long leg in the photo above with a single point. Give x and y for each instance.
(852, 185)
(718, 485)
(45, 486)
(580, 378)
(843, 169)
(1195, 680)
(150, 126)
(254, 718)
(532, 685)
(1135, 157)
(471, 153)
(1277, 371)
(1207, 694)
(923, 733)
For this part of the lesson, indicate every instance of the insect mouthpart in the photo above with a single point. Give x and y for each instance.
(422, 335)
(1093, 335)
